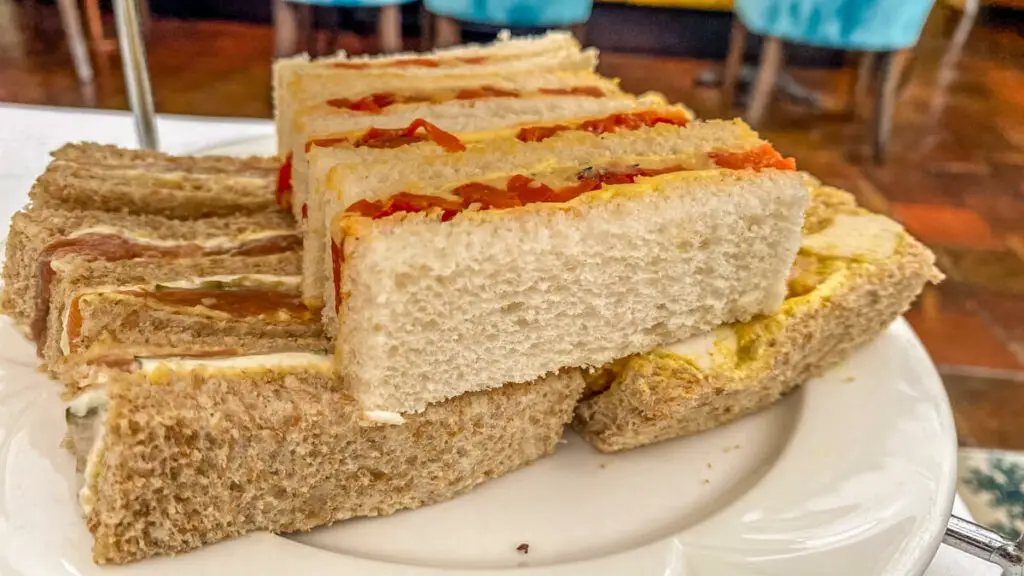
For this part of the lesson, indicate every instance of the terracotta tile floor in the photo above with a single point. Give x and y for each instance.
(955, 175)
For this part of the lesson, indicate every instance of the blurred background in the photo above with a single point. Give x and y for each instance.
(916, 106)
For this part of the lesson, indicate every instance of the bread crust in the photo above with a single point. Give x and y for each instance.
(195, 458)
(89, 176)
(658, 396)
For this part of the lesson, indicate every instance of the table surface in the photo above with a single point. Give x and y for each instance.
(28, 133)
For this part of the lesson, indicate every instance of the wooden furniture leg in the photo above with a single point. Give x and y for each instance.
(94, 18)
(733, 64)
(447, 32)
(389, 28)
(767, 73)
(71, 19)
(286, 29)
(426, 29)
(862, 84)
(888, 86)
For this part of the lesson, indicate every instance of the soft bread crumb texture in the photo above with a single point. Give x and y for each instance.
(436, 309)
(652, 397)
(427, 171)
(195, 457)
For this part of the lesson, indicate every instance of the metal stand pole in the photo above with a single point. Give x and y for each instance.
(986, 544)
(136, 73)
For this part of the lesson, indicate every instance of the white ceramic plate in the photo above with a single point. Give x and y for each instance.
(852, 474)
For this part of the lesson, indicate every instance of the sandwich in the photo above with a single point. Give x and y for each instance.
(457, 104)
(855, 273)
(177, 453)
(397, 152)
(95, 177)
(299, 82)
(42, 240)
(101, 312)
(648, 135)
(608, 261)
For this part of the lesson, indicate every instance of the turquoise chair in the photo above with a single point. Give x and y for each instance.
(880, 29)
(506, 13)
(292, 19)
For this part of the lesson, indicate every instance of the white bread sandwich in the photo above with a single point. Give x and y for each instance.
(654, 133)
(856, 272)
(391, 153)
(468, 287)
(99, 177)
(460, 104)
(299, 82)
(181, 305)
(42, 239)
(185, 452)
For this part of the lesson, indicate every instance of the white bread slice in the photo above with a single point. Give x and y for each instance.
(855, 274)
(299, 82)
(423, 167)
(431, 310)
(473, 122)
(179, 455)
(324, 121)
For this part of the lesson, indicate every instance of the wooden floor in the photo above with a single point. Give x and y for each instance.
(955, 177)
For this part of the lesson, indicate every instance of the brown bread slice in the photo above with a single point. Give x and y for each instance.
(194, 457)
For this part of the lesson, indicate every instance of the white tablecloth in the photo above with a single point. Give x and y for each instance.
(28, 133)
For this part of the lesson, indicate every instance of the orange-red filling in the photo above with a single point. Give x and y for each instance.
(377, 102)
(418, 131)
(411, 63)
(238, 302)
(592, 91)
(283, 194)
(113, 248)
(764, 156)
(608, 124)
(518, 191)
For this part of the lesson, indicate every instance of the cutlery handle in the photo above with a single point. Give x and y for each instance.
(136, 72)
(986, 544)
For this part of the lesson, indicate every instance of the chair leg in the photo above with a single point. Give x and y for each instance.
(71, 19)
(389, 28)
(447, 32)
(767, 74)
(888, 85)
(733, 63)
(94, 17)
(580, 32)
(286, 29)
(862, 83)
(426, 29)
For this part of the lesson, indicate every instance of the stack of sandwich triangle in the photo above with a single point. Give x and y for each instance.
(453, 256)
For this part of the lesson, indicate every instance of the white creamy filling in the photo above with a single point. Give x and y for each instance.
(88, 400)
(867, 237)
(710, 350)
(243, 280)
(93, 399)
(215, 243)
(384, 417)
(274, 360)
(177, 176)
